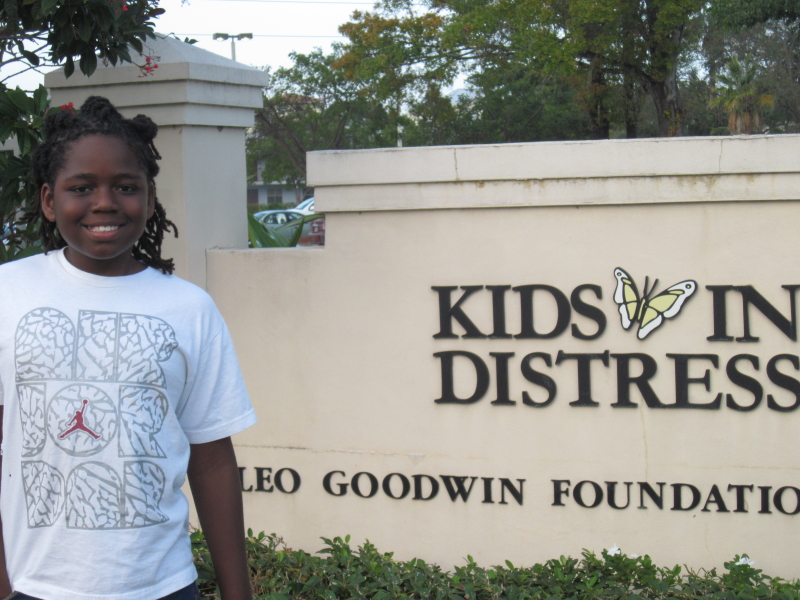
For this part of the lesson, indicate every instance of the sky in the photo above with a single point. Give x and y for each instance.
(278, 27)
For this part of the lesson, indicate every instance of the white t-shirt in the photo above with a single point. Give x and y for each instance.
(105, 382)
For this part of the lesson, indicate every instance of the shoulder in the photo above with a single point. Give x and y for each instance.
(181, 292)
(185, 301)
(32, 267)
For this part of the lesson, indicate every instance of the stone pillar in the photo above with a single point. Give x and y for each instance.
(202, 103)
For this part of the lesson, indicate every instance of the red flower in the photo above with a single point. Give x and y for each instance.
(124, 7)
(147, 59)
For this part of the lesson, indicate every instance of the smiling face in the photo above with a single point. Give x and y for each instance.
(100, 201)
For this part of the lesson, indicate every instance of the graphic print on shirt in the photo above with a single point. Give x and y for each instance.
(81, 419)
(44, 492)
(31, 412)
(143, 410)
(92, 390)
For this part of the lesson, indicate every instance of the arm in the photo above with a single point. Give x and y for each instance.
(214, 479)
(5, 584)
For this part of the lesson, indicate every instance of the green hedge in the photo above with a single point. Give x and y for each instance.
(279, 573)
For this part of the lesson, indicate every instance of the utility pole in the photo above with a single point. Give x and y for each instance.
(233, 38)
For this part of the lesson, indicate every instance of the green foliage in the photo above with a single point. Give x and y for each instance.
(21, 117)
(281, 236)
(741, 96)
(279, 573)
(311, 107)
(601, 45)
(738, 14)
(535, 70)
(47, 32)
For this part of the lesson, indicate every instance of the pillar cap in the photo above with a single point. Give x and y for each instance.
(191, 86)
(176, 60)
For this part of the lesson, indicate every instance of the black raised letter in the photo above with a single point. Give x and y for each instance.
(448, 391)
(505, 484)
(578, 495)
(241, 480)
(743, 381)
(559, 491)
(740, 496)
(279, 480)
(765, 499)
(261, 479)
(778, 500)
(527, 330)
(326, 484)
(624, 380)
(373, 484)
(751, 296)
(499, 310)
(458, 489)
(784, 381)
(418, 487)
(589, 311)
(584, 375)
(714, 496)
(537, 378)
(611, 487)
(448, 311)
(646, 488)
(404, 482)
(501, 369)
(487, 490)
(720, 313)
(682, 381)
(676, 492)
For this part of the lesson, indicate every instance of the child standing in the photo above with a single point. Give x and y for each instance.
(117, 379)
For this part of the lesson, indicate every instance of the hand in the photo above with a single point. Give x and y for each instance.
(214, 479)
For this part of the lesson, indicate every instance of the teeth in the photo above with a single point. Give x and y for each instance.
(104, 228)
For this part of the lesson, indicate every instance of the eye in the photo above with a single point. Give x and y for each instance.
(127, 188)
(80, 189)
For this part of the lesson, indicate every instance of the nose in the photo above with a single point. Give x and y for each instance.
(104, 199)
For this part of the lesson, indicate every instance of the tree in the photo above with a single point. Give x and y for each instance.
(49, 32)
(739, 14)
(35, 33)
(308, 106)
(502, 106)
(741, 97)
(620, 44)
(773, 48)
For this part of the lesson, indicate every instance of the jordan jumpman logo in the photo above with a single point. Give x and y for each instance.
(78, 424)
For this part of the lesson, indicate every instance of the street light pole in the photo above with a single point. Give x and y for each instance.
(233, 38)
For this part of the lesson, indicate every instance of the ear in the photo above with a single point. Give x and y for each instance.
(151, 199)
(47, 202)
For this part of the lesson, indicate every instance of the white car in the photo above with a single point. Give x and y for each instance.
(306, 206)
(275, 218)
(312, 234)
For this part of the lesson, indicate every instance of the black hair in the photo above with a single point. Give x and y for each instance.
(98, 116)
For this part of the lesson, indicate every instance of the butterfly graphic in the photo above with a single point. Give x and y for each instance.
(649, 312)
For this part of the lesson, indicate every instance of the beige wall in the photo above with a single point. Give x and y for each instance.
(337, 349)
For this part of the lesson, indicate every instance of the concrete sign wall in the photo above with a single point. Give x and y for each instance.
(520, 351)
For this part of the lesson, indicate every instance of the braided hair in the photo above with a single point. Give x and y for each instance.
(98, 116)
